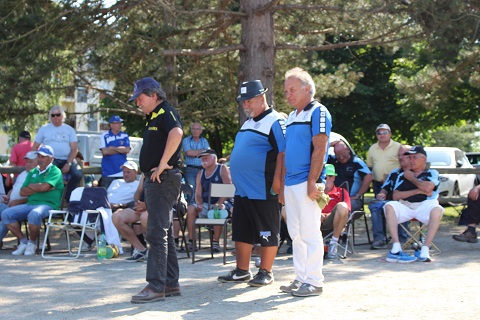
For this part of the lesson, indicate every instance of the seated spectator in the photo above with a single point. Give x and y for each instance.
(121, 191)
(120, 194)
(44, 187)
(62, 138)
(335, 214)
(123, 219)
(352, 169)
(473, 217)
(415, 196)
(13, 197)
(212, 172)
(385, 194)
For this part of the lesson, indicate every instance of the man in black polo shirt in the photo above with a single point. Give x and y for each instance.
(159, 161)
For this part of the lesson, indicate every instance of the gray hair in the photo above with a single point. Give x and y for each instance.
(159, 91)
(57, 109)
(304, 77)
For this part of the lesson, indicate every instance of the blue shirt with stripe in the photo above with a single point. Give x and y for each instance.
(314, 119)
(254, 156)
(353, 172)
(111, 164)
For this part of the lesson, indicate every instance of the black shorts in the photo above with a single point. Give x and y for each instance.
(256, 221)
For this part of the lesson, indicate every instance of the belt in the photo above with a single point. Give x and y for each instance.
(196, 167)
(167, 171)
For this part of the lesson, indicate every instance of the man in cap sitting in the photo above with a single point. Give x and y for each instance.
(43, 186)
(115, 145)
(212, 172)
(13, 197)
(415, 195)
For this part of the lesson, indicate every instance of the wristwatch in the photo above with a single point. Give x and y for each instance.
(69, 163)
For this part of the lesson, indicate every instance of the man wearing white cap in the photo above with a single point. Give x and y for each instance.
(115, 145)
(44, 187)
(382, 156)
(13, 197)
(121, 191)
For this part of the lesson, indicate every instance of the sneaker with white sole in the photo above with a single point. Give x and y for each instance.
(293, 286)
(137, 256)
(216, 247)
(31, 249)
(236, 275)
(400, 257)
(20, 249)
(418, 255)
(261, 279)
(307, 290)
(332, 251)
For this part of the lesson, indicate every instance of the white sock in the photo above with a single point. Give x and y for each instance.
(396, 247)
(425, 252)
(333, 240)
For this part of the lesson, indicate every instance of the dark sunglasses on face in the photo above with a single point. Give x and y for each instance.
(53, 115)
(381, 133)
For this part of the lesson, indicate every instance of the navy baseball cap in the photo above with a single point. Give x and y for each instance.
(251, 89)
(115, 119)
(415, 150)
(206, 153)
(141, 85)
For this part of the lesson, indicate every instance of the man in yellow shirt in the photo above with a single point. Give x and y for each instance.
(382, 156)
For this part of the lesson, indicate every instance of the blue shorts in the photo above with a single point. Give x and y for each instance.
(33, 213)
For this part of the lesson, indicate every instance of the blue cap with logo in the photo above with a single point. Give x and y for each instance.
(115, 119)
(251, 89)
(141, 85)
(45, 151)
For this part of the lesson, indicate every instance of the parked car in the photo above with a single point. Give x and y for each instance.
(474, 159)
(451, 184)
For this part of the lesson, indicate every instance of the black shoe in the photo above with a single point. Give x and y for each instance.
(262, 278)
(236, 275)
(137, 256)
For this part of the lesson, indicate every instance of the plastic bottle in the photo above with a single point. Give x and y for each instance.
(216, 212)
(102, 247)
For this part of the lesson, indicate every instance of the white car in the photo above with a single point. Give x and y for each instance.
(451, 184)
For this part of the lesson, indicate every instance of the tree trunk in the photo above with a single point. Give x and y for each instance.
(257, 61)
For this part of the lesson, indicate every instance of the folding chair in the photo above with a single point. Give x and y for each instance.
(82, 215)
(180, 208)
(416, 236)
(216, 190)
(346, 242)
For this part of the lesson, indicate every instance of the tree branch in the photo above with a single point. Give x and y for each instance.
(202, 52)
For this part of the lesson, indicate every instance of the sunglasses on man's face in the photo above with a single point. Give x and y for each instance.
(381, 133)
(53, 115)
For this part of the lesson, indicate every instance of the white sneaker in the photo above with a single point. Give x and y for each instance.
(31, 249)
(20, 250)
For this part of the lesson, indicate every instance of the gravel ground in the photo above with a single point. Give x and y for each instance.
(363, 286)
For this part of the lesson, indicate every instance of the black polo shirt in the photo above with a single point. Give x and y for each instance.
(159, 123)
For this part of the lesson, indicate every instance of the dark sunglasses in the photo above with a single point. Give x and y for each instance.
(53, 115)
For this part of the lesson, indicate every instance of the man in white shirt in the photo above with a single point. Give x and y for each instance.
(13, 198)
(121, 191)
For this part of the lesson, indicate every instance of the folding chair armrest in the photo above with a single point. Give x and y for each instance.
(55, 213)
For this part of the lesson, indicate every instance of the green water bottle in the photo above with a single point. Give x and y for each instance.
(216, 212)
(102, 247)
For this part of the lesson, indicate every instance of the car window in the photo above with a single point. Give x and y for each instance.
(439, 158)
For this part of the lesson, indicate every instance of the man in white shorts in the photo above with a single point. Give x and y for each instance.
(416, 196)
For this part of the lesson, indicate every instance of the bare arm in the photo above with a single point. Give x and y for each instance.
(173, 141)
(107, 151)
(278, 178)
(35, 146)
(316, 166)
(33, 188)
(367, 179)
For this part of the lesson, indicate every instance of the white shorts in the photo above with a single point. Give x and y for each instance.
(406, 211)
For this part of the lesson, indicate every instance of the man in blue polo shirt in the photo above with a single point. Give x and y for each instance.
(193, 145)
(256, 164)
(114, 144)
(307, 138)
